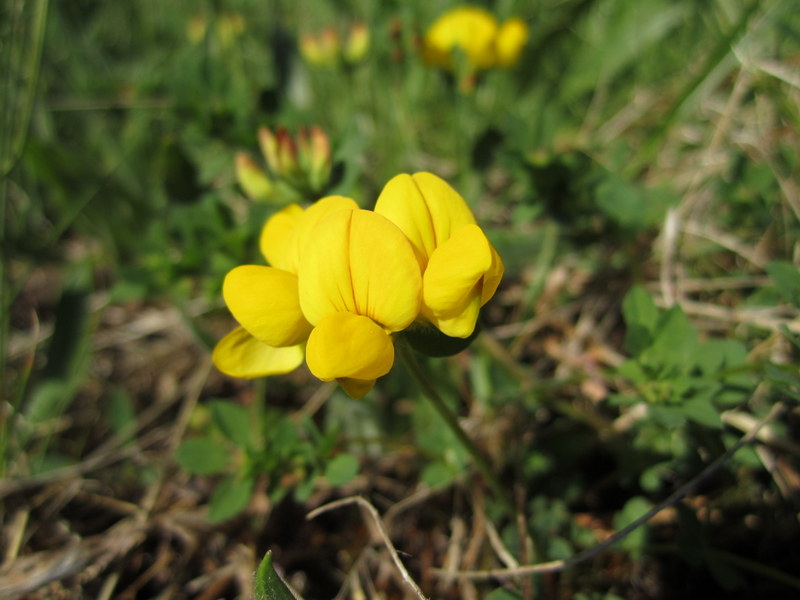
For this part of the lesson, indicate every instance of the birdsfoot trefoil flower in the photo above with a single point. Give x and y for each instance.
(342, 282)
(475, 33)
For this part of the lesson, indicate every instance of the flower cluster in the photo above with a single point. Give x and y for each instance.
(342, 282)
(476, 33)
(226, 28)
(327, 48)
(298, 167)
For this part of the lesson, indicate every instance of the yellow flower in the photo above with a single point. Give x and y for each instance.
(475, 32)
(265, 301)
(359, 283)
(469, 29)
(461, 268)
(341, 282)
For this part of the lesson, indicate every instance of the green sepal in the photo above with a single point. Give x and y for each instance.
(427, 340)
(269, 585)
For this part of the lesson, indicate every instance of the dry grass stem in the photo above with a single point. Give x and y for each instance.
(376, 521)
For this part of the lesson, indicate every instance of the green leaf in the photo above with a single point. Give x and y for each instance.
(120, 412)
(341, 469)
(49, 400)
(438, 474)
(234, 423)
(202, 456)
(674, 345)
(502, 594)
(623, 399)
(559, 548)
(702, 411)
(269, 585)
(667, 416)
(651, 477)
(633, 509)
(641, 316)
(229, 499)
(622, 202)
(786, 277)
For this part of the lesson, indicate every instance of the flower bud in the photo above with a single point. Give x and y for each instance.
(288, 168)
(357, 43)
(321, 49)
(315, 156)
(255, 183)
(229, 27)
(196, 29)
(329, 45)
(269, 148)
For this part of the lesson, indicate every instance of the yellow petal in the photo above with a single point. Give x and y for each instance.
(239, 354)
(313, 215)
(491, 280)
(346, 345)
(276, 240)
(511, 38)
(285, 234)
(355, 388)
(359, 262)
(460, 320)
(426, 208)
(453, 281)
(264, 301)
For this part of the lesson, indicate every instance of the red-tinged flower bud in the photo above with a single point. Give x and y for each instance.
(287, 155)
(330, 46)
(310, 49)
(321, 162)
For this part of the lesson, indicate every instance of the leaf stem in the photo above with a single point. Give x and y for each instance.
(420, 375)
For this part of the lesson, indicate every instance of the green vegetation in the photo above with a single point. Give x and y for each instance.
(637, 171)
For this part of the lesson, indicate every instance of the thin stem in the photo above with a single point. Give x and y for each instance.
(429, 391)
(590, 553)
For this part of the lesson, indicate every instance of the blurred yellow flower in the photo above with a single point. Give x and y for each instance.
(461, 268)
(476, 33)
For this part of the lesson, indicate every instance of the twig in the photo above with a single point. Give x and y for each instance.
(771, 319)
(669, 249)
(376, 518)
(590, 553)
(725, 240)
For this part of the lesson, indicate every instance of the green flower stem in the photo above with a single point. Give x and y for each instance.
(429, 390)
